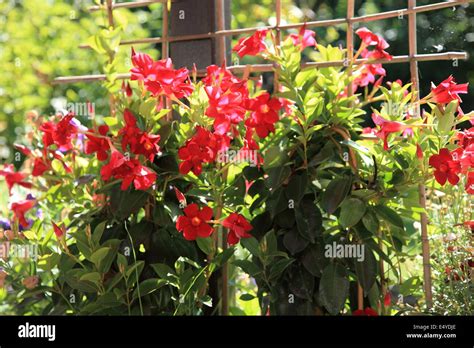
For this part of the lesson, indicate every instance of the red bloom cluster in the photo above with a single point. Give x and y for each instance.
(128, 170)
(194, 223)
(13, 178)
(305, 38)
(61, 134)
(370, 39)
(159, 77)
(140, 142)
(449, 165)
(447, 91)
(238, 228)
(227, 97)
(253, 45)
(203, 147)
(367, 74)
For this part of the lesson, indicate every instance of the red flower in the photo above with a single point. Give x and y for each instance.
(40, 166)
(253, 45)
(371, 39)
(60, 134)
(386, 128)
(446, 168)
(227, 97)
(98, 144)
(159, 77)
(12, 177)
(194, 223)
(180, 196)
(466, 138)
(140, 142)
(127, 89)
(447, 91)
(419, 151)
(238, 227)
(264, 114)
(20, 208)
(304, 38)
(368, 312)
(128, 171)
(470, 184)
(203, 147)
(59, 231)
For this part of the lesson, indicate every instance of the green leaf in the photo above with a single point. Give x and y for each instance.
(294, 242)
(390, 216)
(252, 245)
(370, 222)
(224, 256)
(268, 244)
(335, 193)
(334, 288)
(276, 176)
(309, 219)
(148, 286)
(296, 187)
(247, 297)
(93, 277)
(248, 267)
(279, 267)
(102, 259)
(98, 232)
(206, 245)
(352, 210)
(366, 270)
(164, 271)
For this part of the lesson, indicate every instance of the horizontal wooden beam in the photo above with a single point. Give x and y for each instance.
(269, 67)
(312, 24)
(132, 4)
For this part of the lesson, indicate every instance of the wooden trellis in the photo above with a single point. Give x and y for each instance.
(221, 33)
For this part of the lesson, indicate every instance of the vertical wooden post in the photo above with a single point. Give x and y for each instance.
(110, 16)
(165, 52)
(276, 85)
(221, 54)
(350, 92)
(350, 41)
(422, 190)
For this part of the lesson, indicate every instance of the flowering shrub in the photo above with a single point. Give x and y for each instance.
(138, 214)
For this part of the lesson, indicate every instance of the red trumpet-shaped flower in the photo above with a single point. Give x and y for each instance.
(140, 142)
(20, 208)
(99, 145)
(253, 45)
(386, 128)
(447, 91)
(59, 231)
(201, 148)
(194, 223)
(238, 228)
(128, 170)
(13, 178)
(264, 114)
(379, 43)
(40, 165)
(446, 168)
(305, 38)
(159, 77)
(60, 134)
